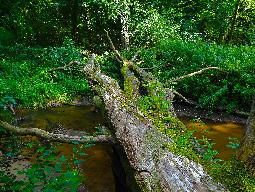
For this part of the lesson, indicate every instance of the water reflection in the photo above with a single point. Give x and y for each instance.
(219, 133)
(97, 167)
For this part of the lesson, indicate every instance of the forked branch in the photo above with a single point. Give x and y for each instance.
(118, 56)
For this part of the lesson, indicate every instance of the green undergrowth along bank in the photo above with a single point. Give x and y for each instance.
(44, 168)
(232, 89)
(26, 77)
(231, 173)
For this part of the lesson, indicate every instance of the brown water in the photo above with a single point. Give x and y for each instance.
(218, 133)
(97, 167)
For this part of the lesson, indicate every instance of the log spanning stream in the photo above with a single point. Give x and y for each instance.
(100, 167)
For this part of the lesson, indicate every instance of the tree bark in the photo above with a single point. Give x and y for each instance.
(229, 34)
(63, 138)
(155, 167)
(124, 19)
(247, 151)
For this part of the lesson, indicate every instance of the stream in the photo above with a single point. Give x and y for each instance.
(99, 166)
(220, 133)
(98, 163)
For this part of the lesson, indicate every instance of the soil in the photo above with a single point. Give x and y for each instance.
(191, 111)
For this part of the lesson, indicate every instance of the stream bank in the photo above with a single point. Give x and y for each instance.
(222, 129)
(102, 167)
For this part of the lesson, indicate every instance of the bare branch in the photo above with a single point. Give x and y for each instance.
(56, 137)
(135, 56)
(194, 73)
(184, 98)
(118, 56)
(66, 66)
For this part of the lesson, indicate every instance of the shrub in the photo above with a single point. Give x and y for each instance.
(233, 89)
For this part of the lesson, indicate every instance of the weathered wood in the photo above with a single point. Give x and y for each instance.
(155, 167)
(194, 73)
(63, 138)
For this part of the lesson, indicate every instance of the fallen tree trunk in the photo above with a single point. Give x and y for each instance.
(155, 167)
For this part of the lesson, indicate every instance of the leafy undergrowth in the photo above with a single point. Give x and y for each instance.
(26, 81)
(28, 165)
(25, 77)
(231, 173)
(232, 89)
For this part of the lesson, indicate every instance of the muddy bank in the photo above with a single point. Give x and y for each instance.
(191, 111)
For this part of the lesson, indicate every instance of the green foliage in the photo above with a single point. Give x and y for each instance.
(26, 77)
(47, 172)
(233, 143)
(6, 36)
(233, 88)
(233, 175)
(48, 22)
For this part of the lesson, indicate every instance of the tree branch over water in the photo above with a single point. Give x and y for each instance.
(63, 138)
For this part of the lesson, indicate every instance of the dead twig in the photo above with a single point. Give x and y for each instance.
(195, 73)
(118, 56)
(66, 66)
(184, 98)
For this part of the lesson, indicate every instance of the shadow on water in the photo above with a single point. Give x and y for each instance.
(221, 134)
(100, 165)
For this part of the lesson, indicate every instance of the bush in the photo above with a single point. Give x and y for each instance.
(232, 89)
(26, 78)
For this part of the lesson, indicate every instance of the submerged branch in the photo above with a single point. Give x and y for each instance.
(56, 137)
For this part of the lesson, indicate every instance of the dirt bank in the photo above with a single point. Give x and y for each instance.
(191, 111)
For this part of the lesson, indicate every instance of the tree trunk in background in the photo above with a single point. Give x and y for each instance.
(124, 19)
(74, 19)
(247, 151)
(229, 35)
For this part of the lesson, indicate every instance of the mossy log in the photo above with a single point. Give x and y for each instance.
(155, 167)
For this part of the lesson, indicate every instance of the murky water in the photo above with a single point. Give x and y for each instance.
(97, 167)
(219, 133)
